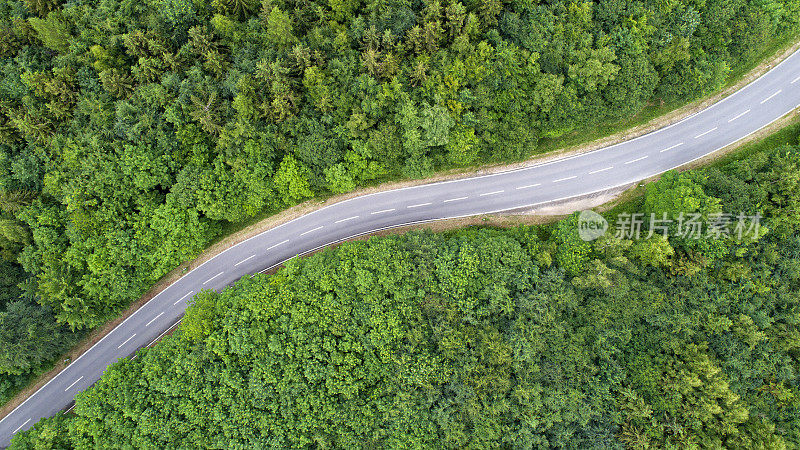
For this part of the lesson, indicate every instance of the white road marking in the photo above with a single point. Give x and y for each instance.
(491, 193)
(345, 220)
(454, 199)
(279, 243)
(529, 186)
(795, 80)
(215, 276)
(670, 148)
(705, 133)
(246, 259)
(601, 170)
(565, 179)
(311, 231)
(771, 96)
(154, 318)
(383, 211)
(20, 427)
(166, 331)
(740, 115)
(637, 159)
(179, 300)
(73, 384)
(418, 205)
(126, 341)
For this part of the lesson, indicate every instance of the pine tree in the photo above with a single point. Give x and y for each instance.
(206, 113)
(116, 83)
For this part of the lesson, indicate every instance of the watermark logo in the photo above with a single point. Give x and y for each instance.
(591, 225)
(636, 226)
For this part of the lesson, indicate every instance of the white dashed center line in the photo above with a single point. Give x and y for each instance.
(740, 115)
(529, 186)
(215, 276)
(670, 148)
(565, 179)
(383, 211)
(179, 300)
(636, 160)
(771, 96)
(418, 205)
(795, 80)
(311, 231)
(126, 341)
(345, 220)
(279, 243)
(244, 260)
(73, 384)
(20, 427)
(491, 193)
(703, 134)
(600, 170)
(454, 199)
(154, 318)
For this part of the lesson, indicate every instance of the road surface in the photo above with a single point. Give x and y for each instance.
(761, 102)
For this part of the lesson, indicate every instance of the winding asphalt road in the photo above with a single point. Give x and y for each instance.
(761, 102)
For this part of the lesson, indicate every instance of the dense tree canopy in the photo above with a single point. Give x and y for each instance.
(131, 132)
(485, 338)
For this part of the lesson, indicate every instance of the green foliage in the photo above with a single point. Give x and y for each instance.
(41, 7)
(53, 31)
(49, 434)
(199, 320)
(655, 252)
(463, 148)
(241, 8)
(782, 186)
(339, 180)
(176, 11)
(29, 337)
(572, 252)
(292, 181)
(133, 132)
(279, 27)
(675, 193)
(142, 129)
(13, 237)
(475, 339)
(115, 83)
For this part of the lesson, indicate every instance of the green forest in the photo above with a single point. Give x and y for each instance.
(489, 338)
(135, 132)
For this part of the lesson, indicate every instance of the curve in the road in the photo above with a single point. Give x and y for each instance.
(751, 108)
